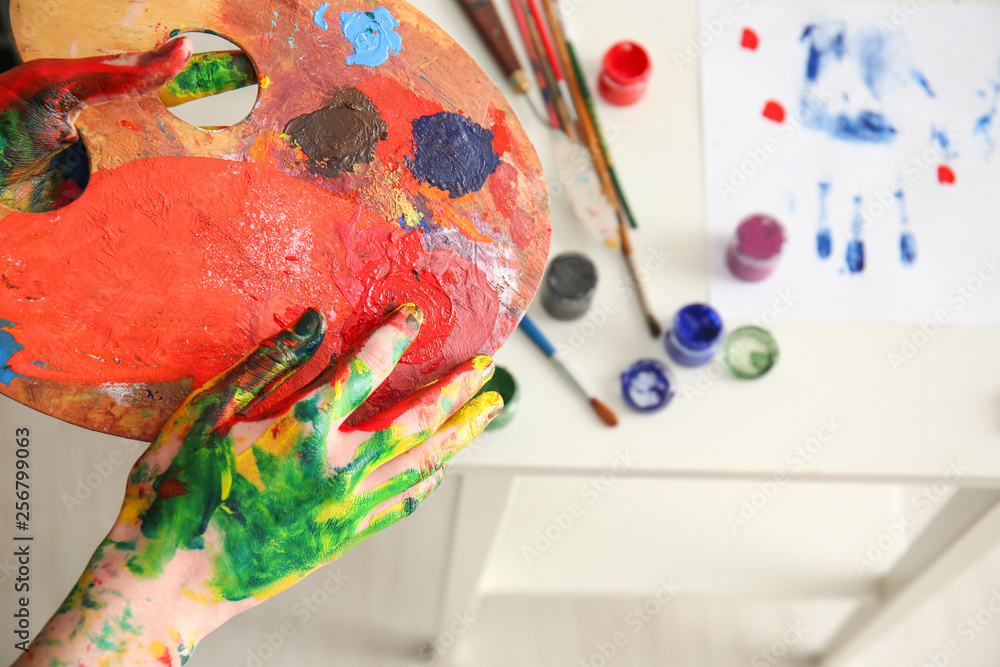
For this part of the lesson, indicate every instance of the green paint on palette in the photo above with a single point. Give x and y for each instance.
(749, 352)
(504, 384)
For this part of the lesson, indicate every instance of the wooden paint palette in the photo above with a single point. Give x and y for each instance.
(354, 186)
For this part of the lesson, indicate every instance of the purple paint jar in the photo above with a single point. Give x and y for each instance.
(756, 249)
(695, 335)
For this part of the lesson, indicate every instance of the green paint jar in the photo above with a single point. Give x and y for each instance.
(749, 352)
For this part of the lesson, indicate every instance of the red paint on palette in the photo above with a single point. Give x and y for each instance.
(945, 174)
(749, 40)
(174, 299)
(774, 111)
(130, 125)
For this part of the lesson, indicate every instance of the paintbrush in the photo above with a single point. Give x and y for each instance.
(483, 14)
(562, 111)
(576, 172)
(539, 339)
(586, 110)
(588, 126)
(529, 48)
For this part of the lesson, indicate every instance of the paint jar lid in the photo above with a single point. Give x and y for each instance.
(749, 352)
(760, 236)
(648, 385)
(625, 73)
(696, 327)
(504, 384)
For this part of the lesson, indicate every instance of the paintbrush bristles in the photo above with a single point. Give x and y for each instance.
(604, 412)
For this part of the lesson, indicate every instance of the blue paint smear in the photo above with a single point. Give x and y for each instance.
(940, 137)
(372, 34)
(907, 242)
(856, 247)
(907, 248)
(8, 348)
(453, 153)
(824, 241)
(318, 16)
(880, 65)
(983, 127)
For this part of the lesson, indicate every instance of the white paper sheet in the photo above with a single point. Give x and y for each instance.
(845, 74)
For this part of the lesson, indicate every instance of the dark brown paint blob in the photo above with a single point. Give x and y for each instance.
(341, 134)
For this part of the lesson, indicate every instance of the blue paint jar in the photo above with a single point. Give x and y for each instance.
(695, 335)
(648, 386)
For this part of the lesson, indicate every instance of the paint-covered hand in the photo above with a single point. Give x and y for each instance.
(255, 505)
(223, 511)
(41, 99)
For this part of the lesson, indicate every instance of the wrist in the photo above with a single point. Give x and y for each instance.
(113, 613)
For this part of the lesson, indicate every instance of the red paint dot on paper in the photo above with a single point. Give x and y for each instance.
(750, 39)
(774, 111)
(945, 174)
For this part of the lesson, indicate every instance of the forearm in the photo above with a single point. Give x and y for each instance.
(113, 617)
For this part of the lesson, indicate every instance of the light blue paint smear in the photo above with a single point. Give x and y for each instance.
(372, 34)
(824, 241)
(983, 127)
(8, 348)
(856, 247)
(907, 242)
(941, 138)
(318, 17)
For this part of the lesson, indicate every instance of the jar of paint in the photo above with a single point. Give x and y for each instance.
(749, 352)
(648, 385)
(569, 285)
(625, 74)
(756, 248)
(695, 335)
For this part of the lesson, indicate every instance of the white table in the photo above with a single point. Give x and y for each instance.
(880, 435)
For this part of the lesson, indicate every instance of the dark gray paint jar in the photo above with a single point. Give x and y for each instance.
(569, 285)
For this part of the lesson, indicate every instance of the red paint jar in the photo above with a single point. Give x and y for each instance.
(625, 74)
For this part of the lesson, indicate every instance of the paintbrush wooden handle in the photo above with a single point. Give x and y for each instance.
(483, 14)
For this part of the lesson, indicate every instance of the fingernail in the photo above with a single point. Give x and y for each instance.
(414, 316)
(308, 323)
(498, 407)
(484, 364)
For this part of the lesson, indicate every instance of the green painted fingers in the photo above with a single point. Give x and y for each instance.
(263, 502)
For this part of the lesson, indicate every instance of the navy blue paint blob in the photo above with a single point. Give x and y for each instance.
(647, 386)
(907, 248)
(8, 348)
(824, 243)
(855, 256)
(452, 153)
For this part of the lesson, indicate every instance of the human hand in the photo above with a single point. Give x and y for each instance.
(266, 501)
(222, 511)
(41, 99)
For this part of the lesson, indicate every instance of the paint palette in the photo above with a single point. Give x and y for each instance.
(379, 166)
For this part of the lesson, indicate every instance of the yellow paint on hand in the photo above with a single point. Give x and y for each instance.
(246, 465)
